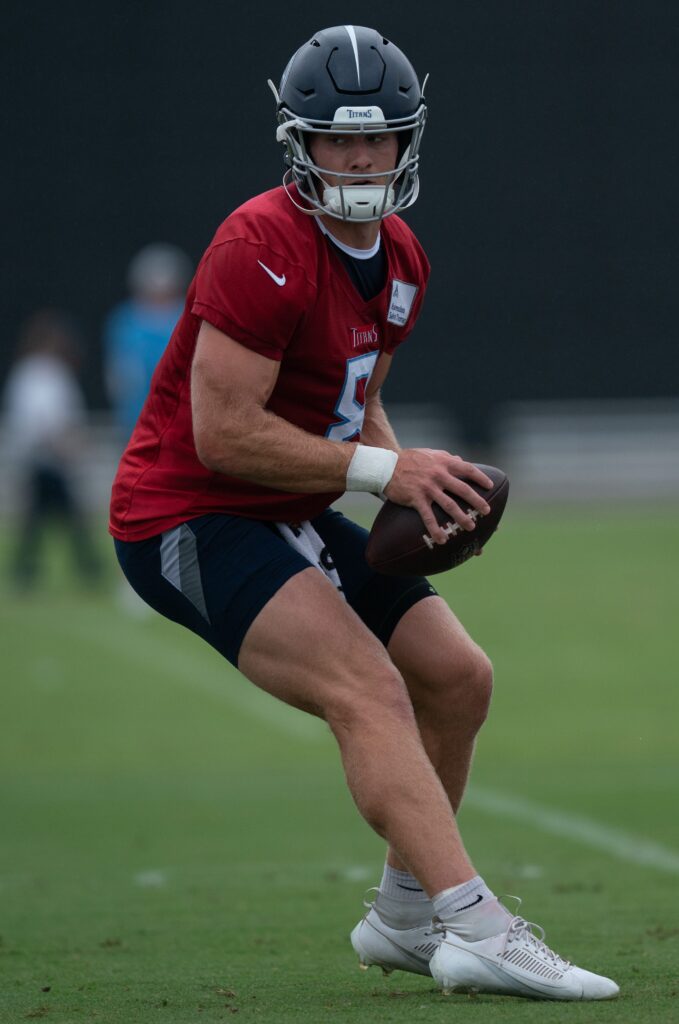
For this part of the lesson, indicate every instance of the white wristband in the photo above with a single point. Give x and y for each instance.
(371, 469)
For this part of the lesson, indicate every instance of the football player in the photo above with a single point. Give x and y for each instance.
(264, 409)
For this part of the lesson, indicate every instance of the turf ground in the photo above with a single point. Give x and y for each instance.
(177, 847)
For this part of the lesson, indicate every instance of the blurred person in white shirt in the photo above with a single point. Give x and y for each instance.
(45, 418)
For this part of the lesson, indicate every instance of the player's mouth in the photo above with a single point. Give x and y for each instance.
(370, 182)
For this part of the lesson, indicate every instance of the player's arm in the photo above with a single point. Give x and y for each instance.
(421, 475)
(377, 430)
(235, 434)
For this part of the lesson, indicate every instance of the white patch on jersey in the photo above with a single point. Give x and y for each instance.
(280, 281)
(402, 298)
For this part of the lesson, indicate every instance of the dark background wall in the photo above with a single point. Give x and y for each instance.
(549, 179)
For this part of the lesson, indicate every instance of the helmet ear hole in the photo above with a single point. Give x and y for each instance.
(404, 139)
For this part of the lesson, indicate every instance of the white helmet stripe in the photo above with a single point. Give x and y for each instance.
(354, 43)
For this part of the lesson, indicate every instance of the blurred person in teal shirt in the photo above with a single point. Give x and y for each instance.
(138, 329)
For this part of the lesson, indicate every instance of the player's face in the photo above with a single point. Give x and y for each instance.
(355, 153)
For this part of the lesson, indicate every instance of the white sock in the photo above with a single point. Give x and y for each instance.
(471, 910)
(401, 902)
(401, 885)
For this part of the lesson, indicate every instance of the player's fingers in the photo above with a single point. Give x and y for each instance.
(436, 532)
(462, 490)
(470, 472)
(451, 508)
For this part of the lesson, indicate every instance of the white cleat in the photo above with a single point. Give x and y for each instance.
(394, 949)
(515, 963)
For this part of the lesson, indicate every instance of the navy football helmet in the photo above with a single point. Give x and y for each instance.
(347, 79)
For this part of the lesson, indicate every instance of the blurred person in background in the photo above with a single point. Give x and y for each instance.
(45, 417)
(138, 329)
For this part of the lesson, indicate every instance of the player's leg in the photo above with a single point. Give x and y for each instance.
(342, 672)
(448, 676)
(449, 680)
(237, 584)
(308, 648)
(241, 587)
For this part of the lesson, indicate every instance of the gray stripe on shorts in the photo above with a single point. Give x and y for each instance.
(179, 565)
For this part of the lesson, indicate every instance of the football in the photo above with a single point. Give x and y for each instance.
(399, 544)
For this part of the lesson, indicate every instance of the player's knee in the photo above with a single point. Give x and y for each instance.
(483, 684)
(474, 687)
(379, 697)
(461, 692)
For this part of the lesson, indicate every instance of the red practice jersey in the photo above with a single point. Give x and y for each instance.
(273, 282)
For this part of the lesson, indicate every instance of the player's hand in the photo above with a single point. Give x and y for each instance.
(424, 475)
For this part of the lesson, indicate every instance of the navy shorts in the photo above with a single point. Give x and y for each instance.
(214, 574)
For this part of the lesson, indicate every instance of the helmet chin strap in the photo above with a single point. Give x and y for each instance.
(359, 202)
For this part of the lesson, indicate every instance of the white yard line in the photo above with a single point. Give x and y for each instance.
(577, 829)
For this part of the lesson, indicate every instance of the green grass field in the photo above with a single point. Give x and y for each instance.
(177, 847)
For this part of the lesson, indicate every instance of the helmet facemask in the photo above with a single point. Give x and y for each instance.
(393, 190)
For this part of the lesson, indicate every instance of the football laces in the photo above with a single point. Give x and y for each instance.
(452, 529)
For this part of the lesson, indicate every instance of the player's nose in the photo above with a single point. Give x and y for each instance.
(360, 155)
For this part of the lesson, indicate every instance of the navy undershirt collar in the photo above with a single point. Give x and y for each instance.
(367, 268)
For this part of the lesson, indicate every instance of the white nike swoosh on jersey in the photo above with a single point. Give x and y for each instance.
(280, 281)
